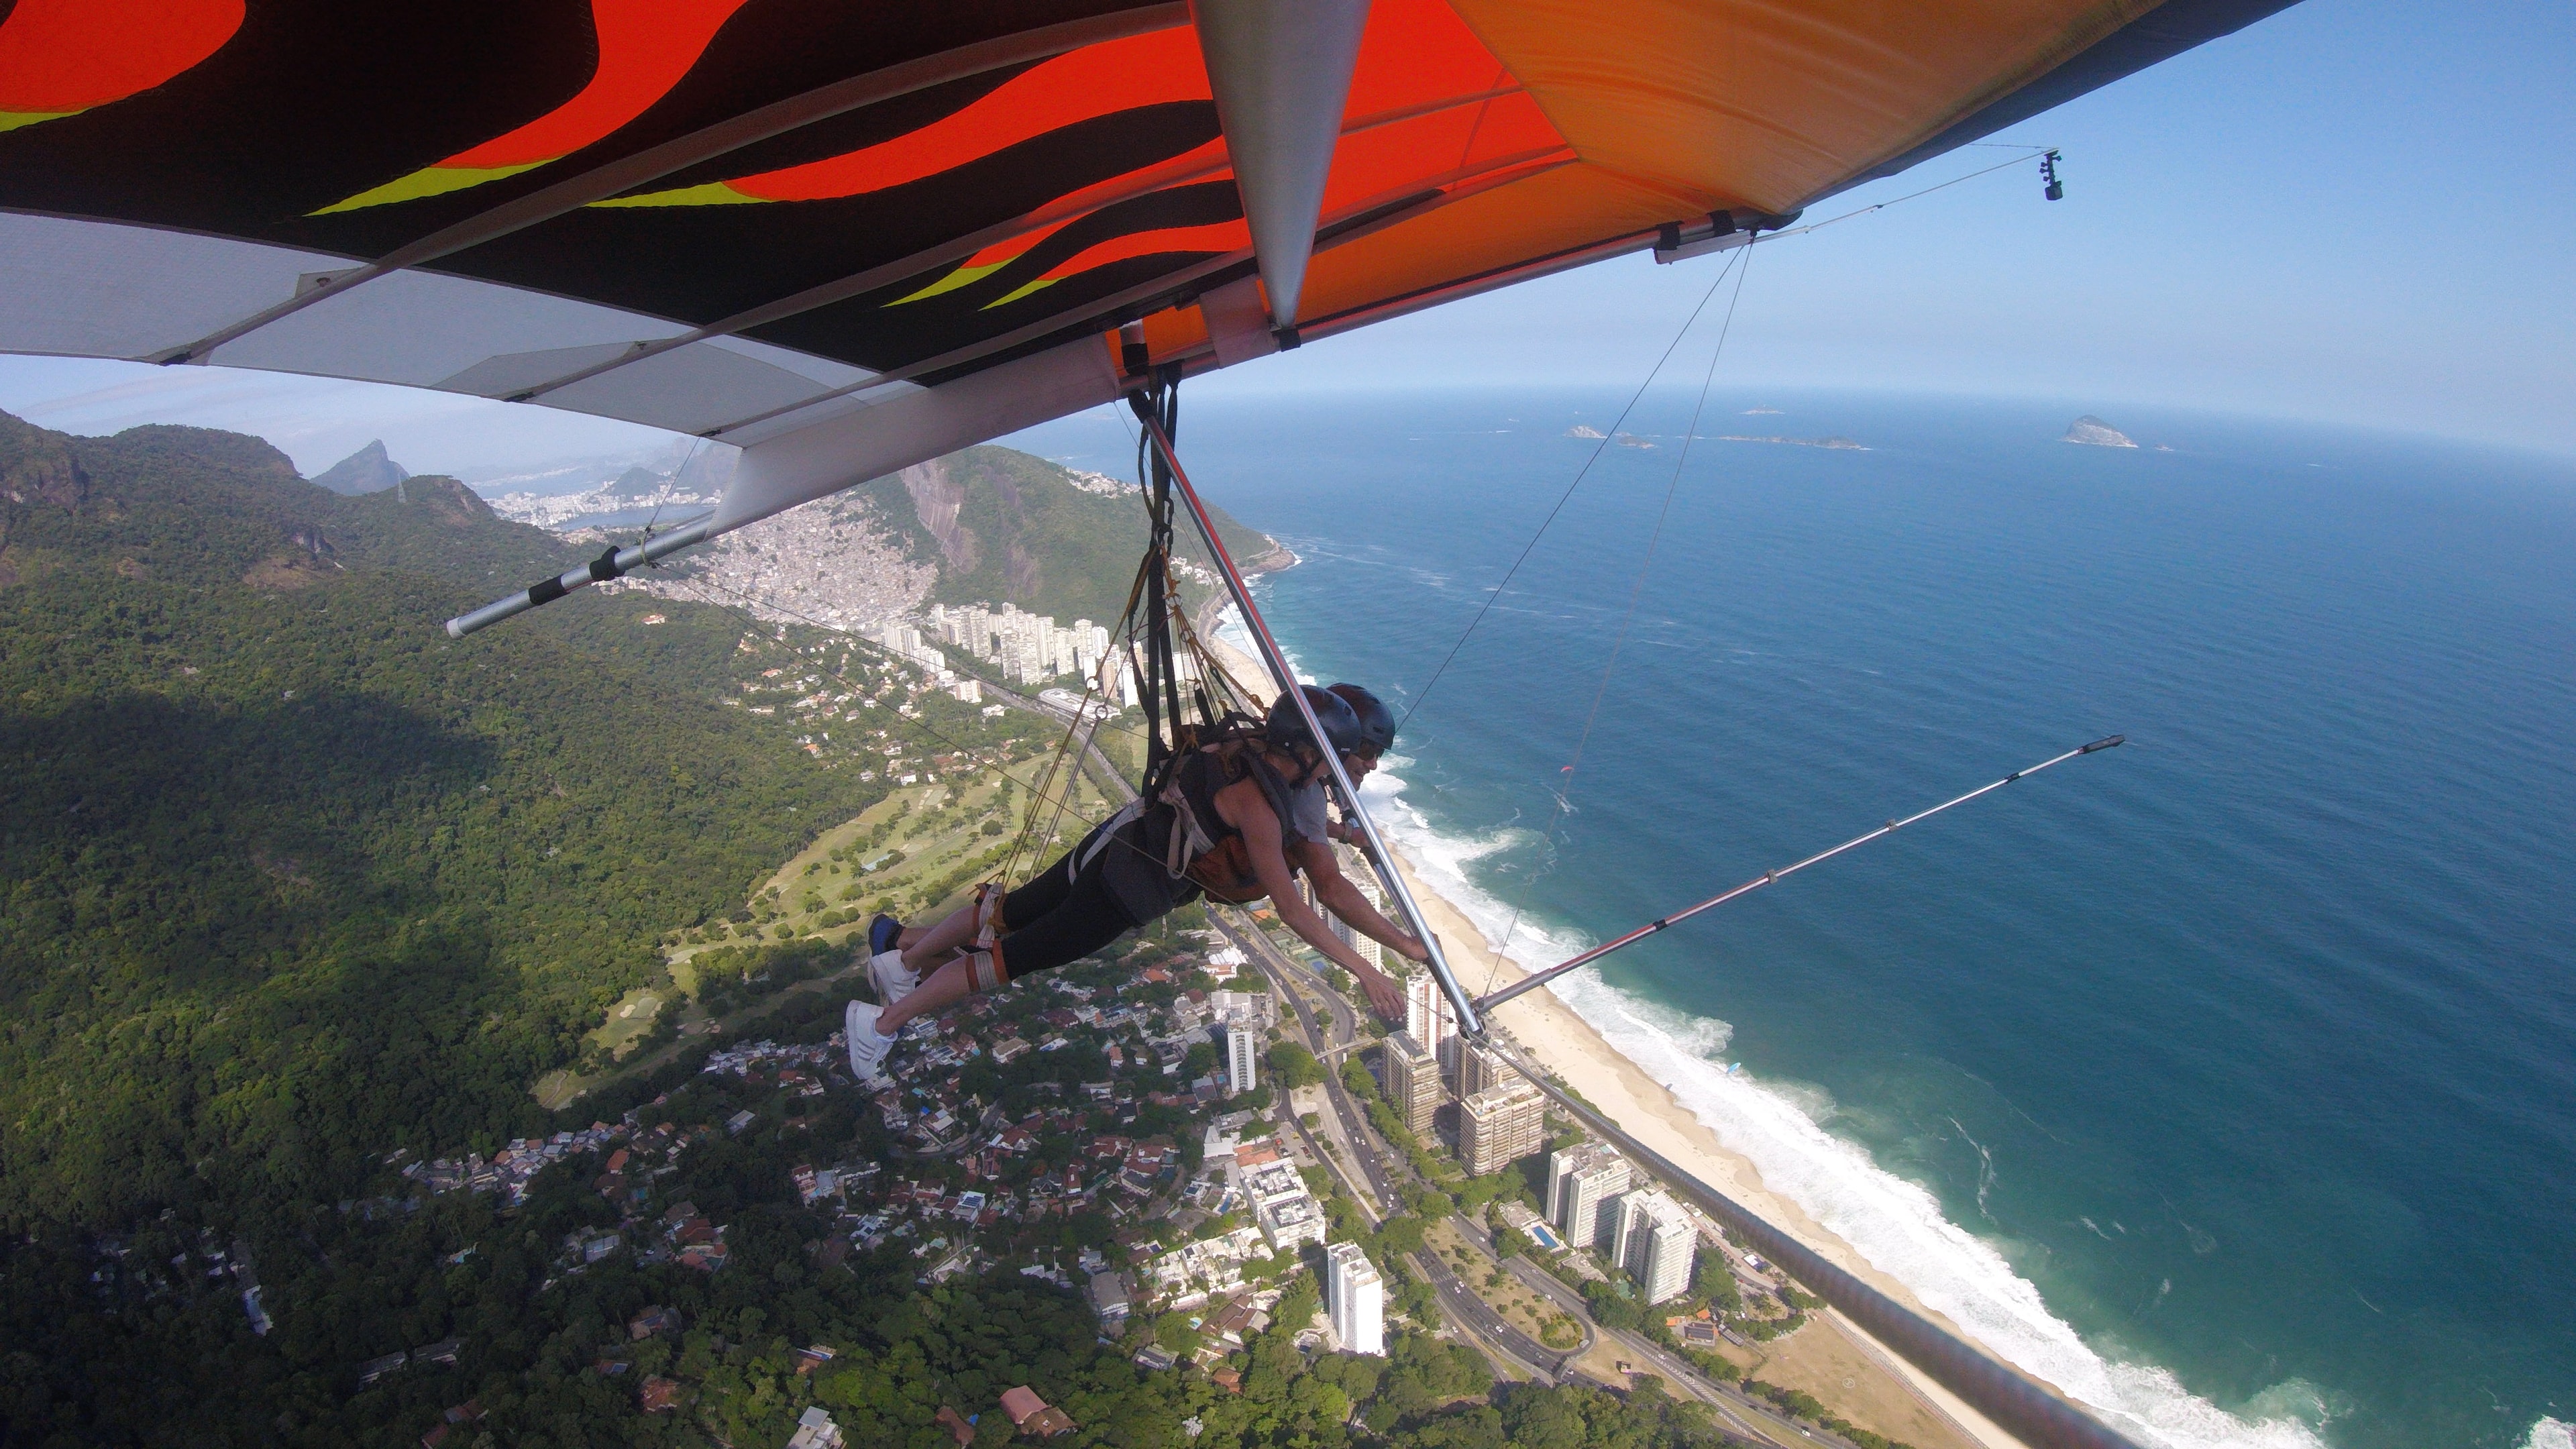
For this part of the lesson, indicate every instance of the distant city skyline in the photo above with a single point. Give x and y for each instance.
(2353, 212)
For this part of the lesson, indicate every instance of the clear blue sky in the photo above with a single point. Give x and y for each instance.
(2358, 211)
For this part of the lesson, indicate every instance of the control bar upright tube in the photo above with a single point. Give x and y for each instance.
(1469, 1022)
(1539, 979)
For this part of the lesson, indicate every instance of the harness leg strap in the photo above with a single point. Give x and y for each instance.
(984, 969)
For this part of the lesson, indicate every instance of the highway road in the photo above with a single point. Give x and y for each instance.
(1741, 1412)
(1461, 1302)
(1472, 1312)
(1257, 948)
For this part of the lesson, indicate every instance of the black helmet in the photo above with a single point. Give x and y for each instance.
(1287, 728)
(1377, 722)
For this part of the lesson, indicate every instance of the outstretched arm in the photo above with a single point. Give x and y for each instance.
(1262, 842)
(1344, 900)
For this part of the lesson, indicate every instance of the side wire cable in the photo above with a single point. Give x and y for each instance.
(1636, 593)
(1566, 497)
(2035, 152)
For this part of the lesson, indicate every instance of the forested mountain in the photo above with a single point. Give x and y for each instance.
(368, 470)
(1004, 526)
(290, 877)
(295, 894)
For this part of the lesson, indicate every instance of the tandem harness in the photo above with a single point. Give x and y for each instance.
(1197, 844)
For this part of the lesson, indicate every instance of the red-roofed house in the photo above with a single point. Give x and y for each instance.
(1032, 1414)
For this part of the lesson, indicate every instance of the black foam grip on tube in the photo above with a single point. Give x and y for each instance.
(604, 567)
(545, 592)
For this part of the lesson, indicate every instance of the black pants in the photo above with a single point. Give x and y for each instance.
(1087, 899)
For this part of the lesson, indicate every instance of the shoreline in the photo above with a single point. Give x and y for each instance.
(1558, 1037)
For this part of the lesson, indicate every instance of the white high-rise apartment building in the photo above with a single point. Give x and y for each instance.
(1428, 1017)
(1480, 1067)
(1356, 1298)
(1412, 1082)
(1656, 1244)
(1583, 1188)
(1359, 874)
(1242, 1055)
(1498, 1125)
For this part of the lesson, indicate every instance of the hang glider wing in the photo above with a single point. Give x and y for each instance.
(846, 238)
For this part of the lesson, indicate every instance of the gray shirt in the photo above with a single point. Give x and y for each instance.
(1308, 806)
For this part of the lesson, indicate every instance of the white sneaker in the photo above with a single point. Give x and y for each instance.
(893, 982)
(867, 1049)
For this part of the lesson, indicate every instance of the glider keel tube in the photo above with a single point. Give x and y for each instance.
(822, 458)
(1281, 71)
(616, 563)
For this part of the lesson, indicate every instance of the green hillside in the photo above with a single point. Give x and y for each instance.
(299, 894)
(1005, 526)
(291, 879)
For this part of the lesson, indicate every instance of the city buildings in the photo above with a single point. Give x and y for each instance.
(1480, 1067)
(1029, 647)
(1412, 1082)
(1362, 875)
(1356, 1298)
(1242, 1008)
(904, 641)
(1655, 1244)
(1286, 1213)
(1429, 1019)
(1242, 1056)
(1498, 1125)
(1583, 1188)
(815, 1430)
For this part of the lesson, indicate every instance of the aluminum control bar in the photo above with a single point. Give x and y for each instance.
(1469, 1022)
(1533, 982)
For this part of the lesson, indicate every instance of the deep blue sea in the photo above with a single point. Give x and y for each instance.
(2227, 1079)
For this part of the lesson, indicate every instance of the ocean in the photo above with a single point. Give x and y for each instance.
(2227, 1079)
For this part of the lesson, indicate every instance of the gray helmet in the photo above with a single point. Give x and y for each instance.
(1377, 722)
(1287, 730)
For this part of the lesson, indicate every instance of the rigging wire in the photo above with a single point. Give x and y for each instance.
(1898, 200)
(1566, 497)
(1636, 593)
(1741, 253)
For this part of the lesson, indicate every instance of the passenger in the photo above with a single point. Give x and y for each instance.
(1238, 819)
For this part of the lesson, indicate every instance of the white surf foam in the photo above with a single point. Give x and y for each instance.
(1895, 1224)
(2551, 1434)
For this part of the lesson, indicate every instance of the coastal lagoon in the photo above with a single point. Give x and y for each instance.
(2224, 1078)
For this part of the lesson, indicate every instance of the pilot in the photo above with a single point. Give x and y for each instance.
(1236, 820)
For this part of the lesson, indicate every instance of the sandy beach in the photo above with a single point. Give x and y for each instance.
(1560, 1039)
(1553, 1034)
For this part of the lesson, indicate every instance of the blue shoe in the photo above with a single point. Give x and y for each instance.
(883, 933)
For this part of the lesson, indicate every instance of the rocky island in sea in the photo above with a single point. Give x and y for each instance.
(2092, 430)
(1581, 430)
